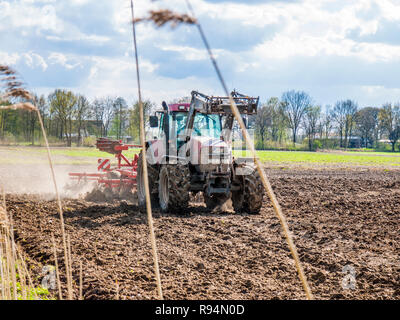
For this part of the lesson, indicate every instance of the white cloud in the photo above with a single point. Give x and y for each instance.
(189, 53)
(34, 60)
(63, 60)
(9, 58)
(24, 14)
(287, 31)
(117, 76)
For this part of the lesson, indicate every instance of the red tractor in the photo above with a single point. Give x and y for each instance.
(191, 152)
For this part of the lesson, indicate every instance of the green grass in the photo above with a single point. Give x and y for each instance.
(323, 158)
(65, 156)
(76, 152)
(89, 156)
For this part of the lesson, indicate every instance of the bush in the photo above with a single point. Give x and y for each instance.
(89, 141)
(9, 138)
(317, 145)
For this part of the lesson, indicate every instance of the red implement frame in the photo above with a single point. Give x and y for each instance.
(109, 177)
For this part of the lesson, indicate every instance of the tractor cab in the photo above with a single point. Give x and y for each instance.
(170, 128)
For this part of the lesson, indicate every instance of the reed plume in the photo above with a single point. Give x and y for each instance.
(162, 17)
(14, 89)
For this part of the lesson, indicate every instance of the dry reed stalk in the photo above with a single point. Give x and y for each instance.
(70, 262)
(2, 276)
(274, 200)
(60, 210)
(27, 273)
(7, 269)
(80, 281)
(22, 281)
(3, 218)
(14, 90)
(145, 174)
(56, 264)
(264, 178)
(8, 231)
(116, 290)
(9, 254)
(13, 257)
(161, 17)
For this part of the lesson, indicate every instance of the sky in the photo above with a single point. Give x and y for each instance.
(333, 50)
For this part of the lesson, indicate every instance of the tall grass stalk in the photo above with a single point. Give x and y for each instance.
(14, 89)
(12, 265)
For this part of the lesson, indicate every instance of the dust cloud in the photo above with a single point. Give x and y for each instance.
(36, 179)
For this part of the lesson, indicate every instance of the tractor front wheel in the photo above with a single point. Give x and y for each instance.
(174, 187)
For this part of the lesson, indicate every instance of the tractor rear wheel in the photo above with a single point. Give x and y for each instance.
(152, 173)
(174, 187)
(249, 198)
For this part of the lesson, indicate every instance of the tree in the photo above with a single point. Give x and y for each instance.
(103, 110)
(134, 117)
(389, 118)
(120, 117)
(278, 119)
(311, 119)
(295, 105)
(62, 103)
(344, 114)
(366, 122)
(262, 122)
(81, 114)
(326, 122)
(41, 104)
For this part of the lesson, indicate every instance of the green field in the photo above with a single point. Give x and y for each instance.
(326, 158)
(89, 156)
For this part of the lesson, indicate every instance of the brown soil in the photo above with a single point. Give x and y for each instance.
(337, 218)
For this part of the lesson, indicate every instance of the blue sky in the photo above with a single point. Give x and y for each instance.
(331, 49)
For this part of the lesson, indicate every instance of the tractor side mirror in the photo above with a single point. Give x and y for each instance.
(153, 121)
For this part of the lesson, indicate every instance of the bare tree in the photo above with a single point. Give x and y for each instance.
(366, 122)
(295, 105)
(263, 122)
(326, 123)
(120, 116)
(134, 117)
(278, 119)
(62, 103)
(311, 122)
(389, 118)
(103, 110)
(81, 114)
(344, 114)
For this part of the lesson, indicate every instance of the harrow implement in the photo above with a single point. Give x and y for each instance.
(118, 180)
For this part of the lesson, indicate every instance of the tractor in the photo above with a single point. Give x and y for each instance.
(190, 152)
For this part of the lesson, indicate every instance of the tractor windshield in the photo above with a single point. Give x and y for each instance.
(208, 125)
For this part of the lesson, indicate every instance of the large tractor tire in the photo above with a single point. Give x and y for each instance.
(174, 187)
(249, 198)
(152, 173)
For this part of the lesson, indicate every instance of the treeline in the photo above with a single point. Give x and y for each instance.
(293, 121)
(69, 118)
(295, 117)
